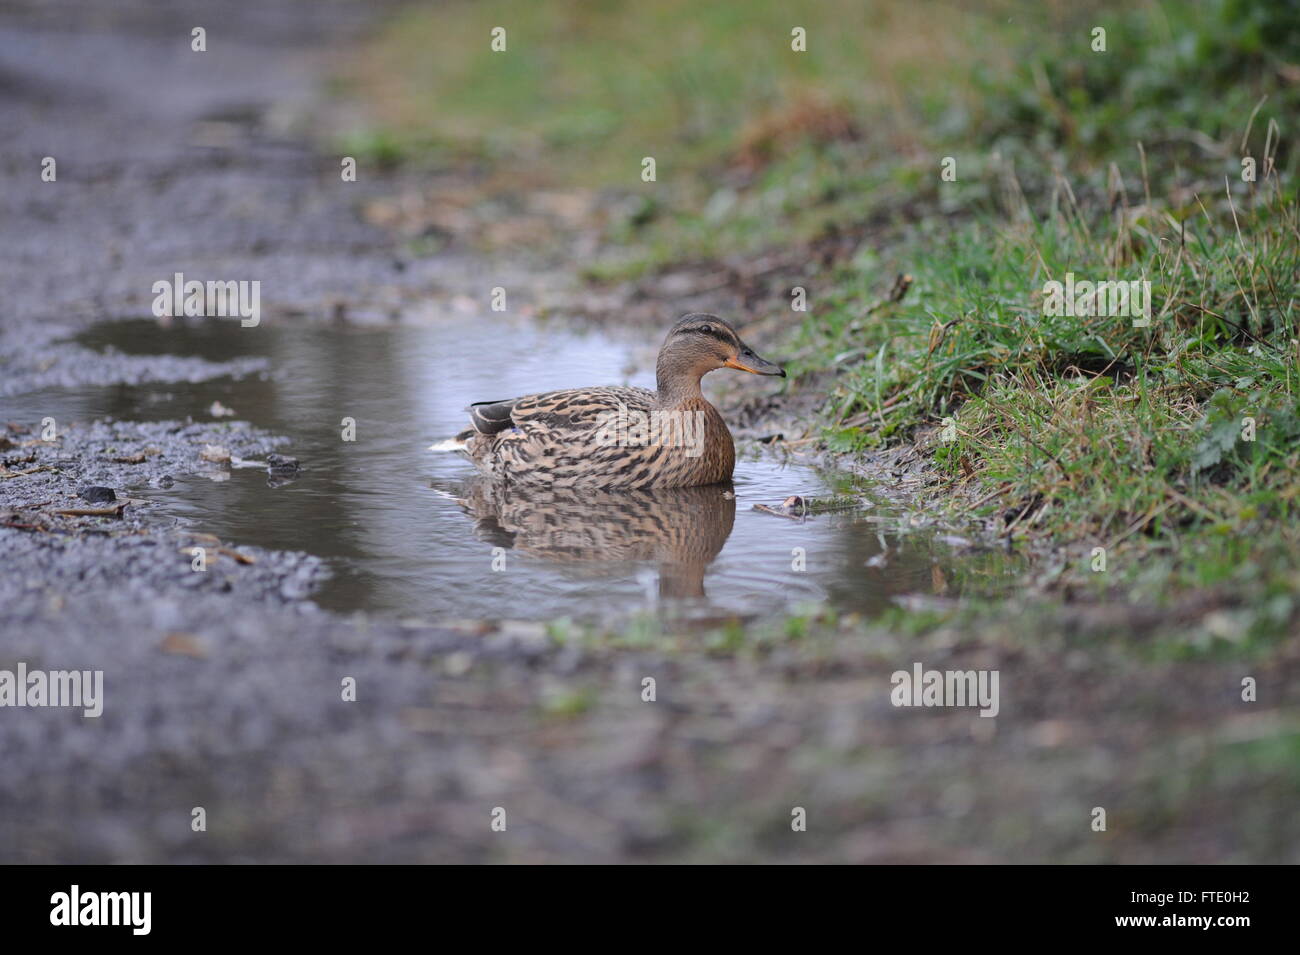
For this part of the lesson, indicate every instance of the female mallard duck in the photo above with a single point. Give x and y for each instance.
(619, 437)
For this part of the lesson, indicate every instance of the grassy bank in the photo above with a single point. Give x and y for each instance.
(1153, 459)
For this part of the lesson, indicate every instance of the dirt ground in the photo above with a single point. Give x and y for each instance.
(223, 688)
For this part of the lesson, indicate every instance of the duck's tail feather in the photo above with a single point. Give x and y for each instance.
(492, 417)
(458, 443)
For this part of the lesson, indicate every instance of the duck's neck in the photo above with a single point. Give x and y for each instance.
(679, 396)
(676, 386)
(714, 456)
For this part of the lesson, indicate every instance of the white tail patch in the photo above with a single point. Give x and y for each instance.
(451, 444)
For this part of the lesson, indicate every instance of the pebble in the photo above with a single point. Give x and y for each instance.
(96, 494)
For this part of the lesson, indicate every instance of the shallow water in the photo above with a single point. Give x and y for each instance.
(412, 533)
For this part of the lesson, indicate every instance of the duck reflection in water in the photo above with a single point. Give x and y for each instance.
(681, 530)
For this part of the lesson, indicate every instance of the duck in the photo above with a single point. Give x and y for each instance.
(619, 436)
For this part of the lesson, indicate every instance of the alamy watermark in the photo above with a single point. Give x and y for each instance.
(1111, 298)
(632, 428)
(75, 907)
(922, 687)
(221, 299)
(76, 688)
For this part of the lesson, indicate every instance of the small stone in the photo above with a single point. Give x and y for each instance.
(281, 463)
(96, 494)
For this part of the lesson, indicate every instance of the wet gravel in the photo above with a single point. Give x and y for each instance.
(139, 553)
(50, 362)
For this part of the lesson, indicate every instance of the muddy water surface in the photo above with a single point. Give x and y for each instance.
(412, 533)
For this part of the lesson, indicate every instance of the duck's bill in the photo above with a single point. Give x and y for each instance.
(748, 361)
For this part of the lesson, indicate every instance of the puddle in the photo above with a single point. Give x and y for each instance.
(410, 533)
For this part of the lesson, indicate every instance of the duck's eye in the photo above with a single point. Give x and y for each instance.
(708, 329)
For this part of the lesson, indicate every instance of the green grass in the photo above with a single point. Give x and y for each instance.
(585, 90)
(756, 144)
(1085, 428)
(1071, 398)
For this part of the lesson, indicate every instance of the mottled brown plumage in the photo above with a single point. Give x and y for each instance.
(620, 437)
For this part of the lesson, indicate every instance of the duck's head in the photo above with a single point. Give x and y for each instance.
(700, 343)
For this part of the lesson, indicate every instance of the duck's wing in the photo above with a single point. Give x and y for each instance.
(575, 409)
(560, 438)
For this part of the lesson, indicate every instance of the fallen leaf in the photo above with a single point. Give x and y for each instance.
(114, 511)
(139, 457)
(184, 644)
(4, 473)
